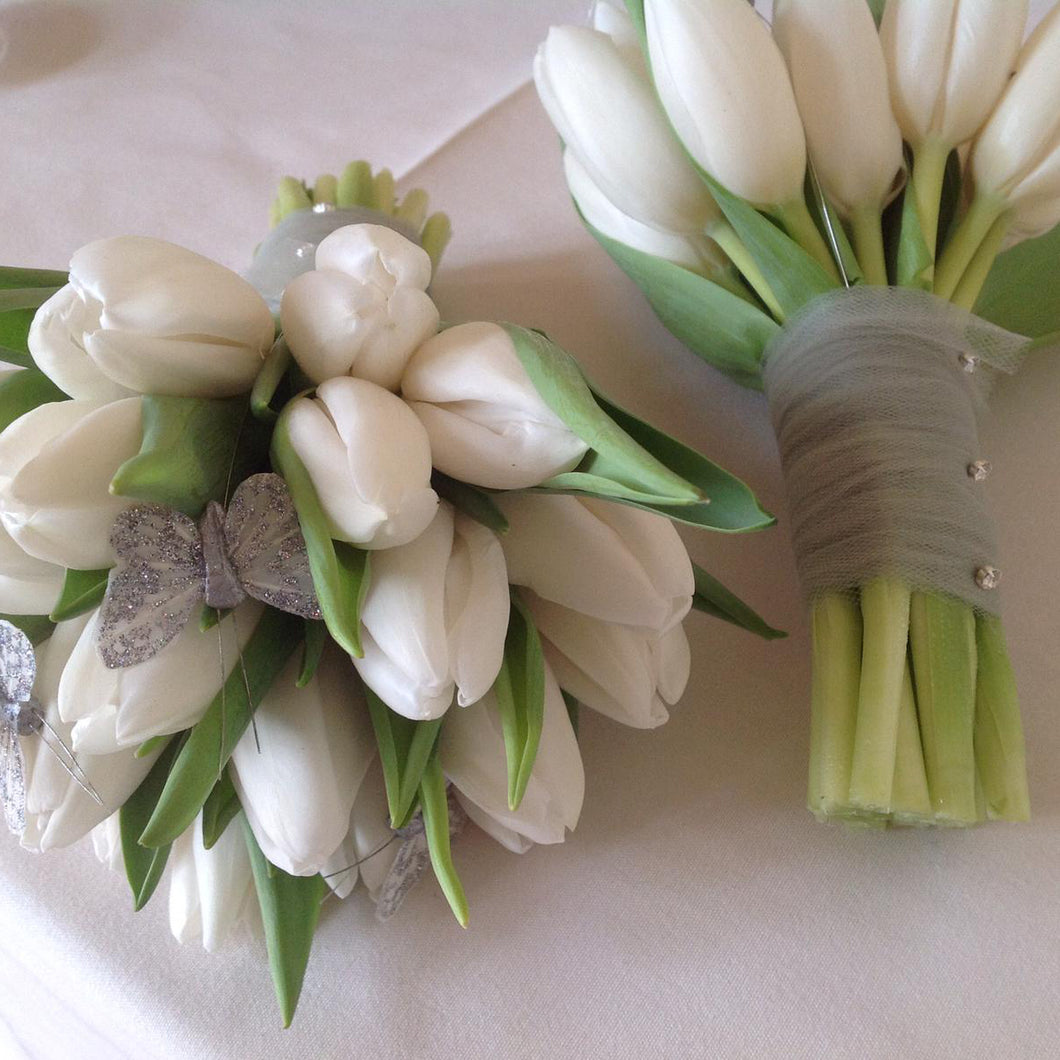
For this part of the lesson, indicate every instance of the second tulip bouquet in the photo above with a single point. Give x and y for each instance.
(289, 598)
(854, 209)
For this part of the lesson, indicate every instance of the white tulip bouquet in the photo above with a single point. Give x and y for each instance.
(287, 599)
(855, 210)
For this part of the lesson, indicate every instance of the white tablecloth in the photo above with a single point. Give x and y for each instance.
(698, 910)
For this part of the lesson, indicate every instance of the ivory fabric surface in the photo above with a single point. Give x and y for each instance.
(698, 911)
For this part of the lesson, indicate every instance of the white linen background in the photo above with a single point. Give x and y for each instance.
(698, 911)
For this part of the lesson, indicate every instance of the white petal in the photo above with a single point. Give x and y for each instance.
(420, 701)
(371, 832)
(375, 254)
(477, 601)
(316, 745)
(56, 465)
(673, 663)
(409, 320)
(512, 840)
(28, 586)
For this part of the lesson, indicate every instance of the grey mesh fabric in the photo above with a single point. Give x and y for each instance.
(876, 395)
(290, 248)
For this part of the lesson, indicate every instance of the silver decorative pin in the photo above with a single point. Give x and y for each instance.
(988, 577)
(167, 564)
(968, 362)
(979, 470)
(20, 715)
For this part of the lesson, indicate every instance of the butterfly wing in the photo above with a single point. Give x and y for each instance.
(18, 665)
(156, 583)
(411, 862)
(12, 779)
(266, 546)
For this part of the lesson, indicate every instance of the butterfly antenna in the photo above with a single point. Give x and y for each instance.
(235, 453)
(246, 684)
(826, 214)
(367, 857)
(69, 762)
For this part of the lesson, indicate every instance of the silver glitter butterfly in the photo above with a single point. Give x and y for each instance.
(167, 565)
(412, 859)
(20, 715)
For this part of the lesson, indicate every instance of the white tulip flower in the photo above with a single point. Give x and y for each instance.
(211, 892)
(601, 103)
(612, 18)
(724, 86)
(840, 79)
(435, 618)
(471, 749)
(297, 778)
(370, 461)
(28, 586)
(370, 847)
(106, 842)
(143, 316)
(608, 561)
(687, 251)
(486, 422)
(56, 465)
(1016, 158)
(363, 310)
(948, 62)
(615, 670)
(59, 811)
(168, 693)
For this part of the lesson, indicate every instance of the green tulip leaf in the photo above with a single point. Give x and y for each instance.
(405, 747)
(194, 450)
(290, 909)
(143, 865)
(712, 598)
(149, 746)
(1022, 293)
(636, 14)
(212, 740)
(723, 329)
(220, 809)
(914, 264)
(268, 381)
(435, 808)
(520, 692)
(13, 278)
(37, 627)
(22, 392)
(340, 571)
(794, 277)
(559, 380)
(876, 7)
(14, 332)
(470, 500)
(730, 507)
(82, 591)
(25, 297)
(316, 639)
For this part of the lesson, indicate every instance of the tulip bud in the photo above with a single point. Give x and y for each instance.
(616, 670)
(28, 586)
(316, 744)
(144, 316)
(59, 811)
(56, 465)
(435, 618)
(1016, 158)
(603, 107)
(726, 90)
(486, 422)
(370, 461)
(365, 308)
(106, 842)
(210, 891)
(840, 80)
(168, 693)
(472, 755)
(948, 61)
(608, 561)
(612, 18)
(687, 251)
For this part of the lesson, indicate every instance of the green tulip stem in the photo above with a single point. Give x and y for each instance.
(837, 637)
(867, 231)
(929, 173)
(942, 637)
(999, 747)
(799, 224)
(977, 273)
(725, 236)
(974, 228)
(885, 620)
(910, 798)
